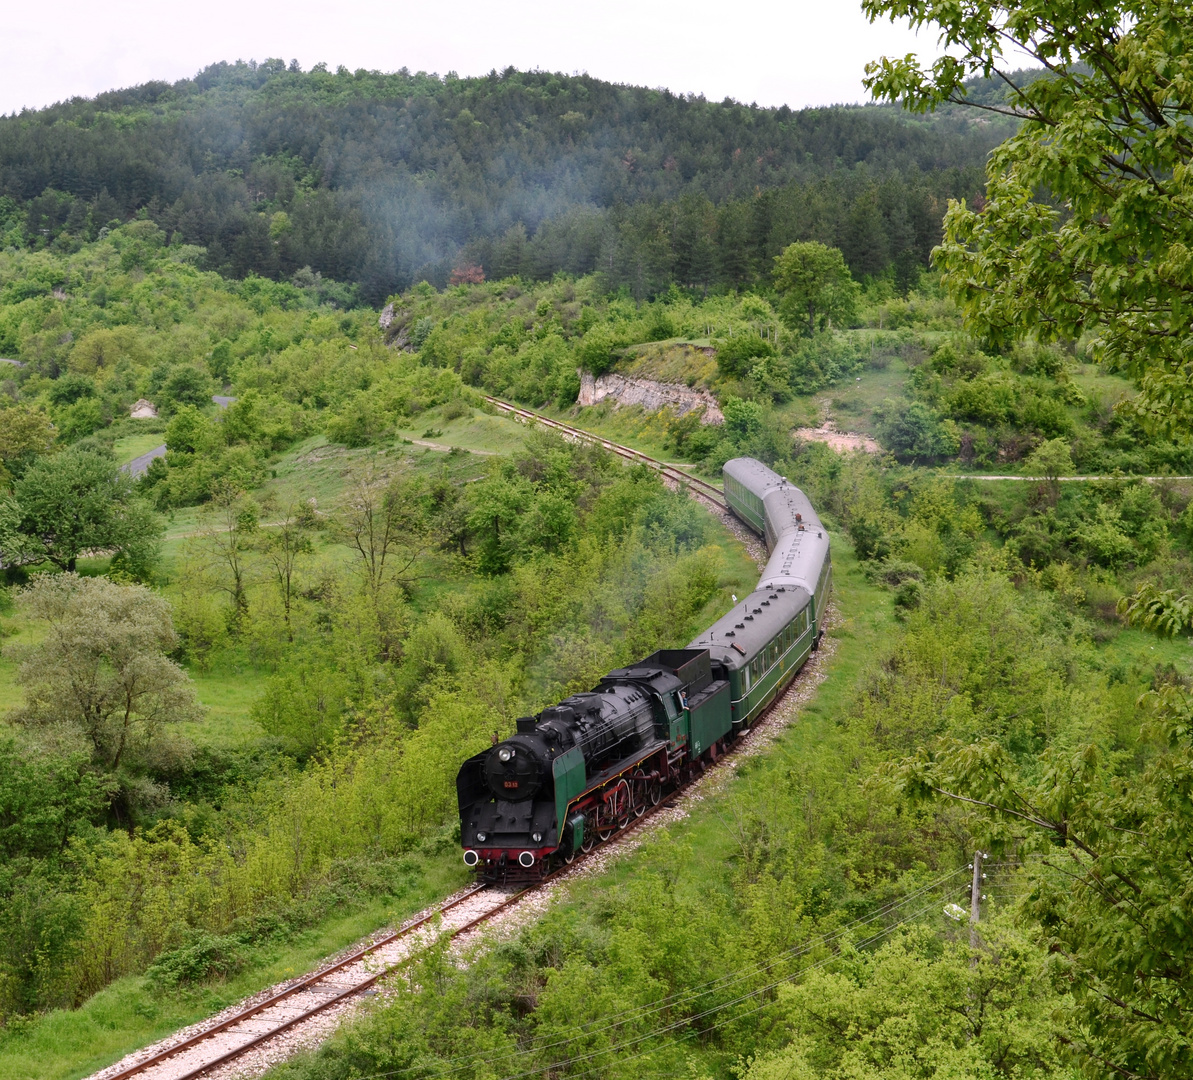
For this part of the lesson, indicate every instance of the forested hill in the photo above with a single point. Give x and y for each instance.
(385, 179)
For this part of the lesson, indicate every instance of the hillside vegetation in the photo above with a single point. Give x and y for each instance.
(383, 180)
(237, 688)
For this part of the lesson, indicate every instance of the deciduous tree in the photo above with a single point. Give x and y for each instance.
(382, 520)
(102, 669)
(284, 542)
(1110, 891)
(229, 527)
(1087, 219)
(1051, 460)
(80, 501)
(25, 433)
(814, 287)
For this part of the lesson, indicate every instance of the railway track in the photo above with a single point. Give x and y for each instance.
(249, 1028)
(266, 1018)
(669, 472)
(252, 1027)
(215, 1044)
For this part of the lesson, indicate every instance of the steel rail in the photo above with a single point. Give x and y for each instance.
(362, 985)
(673, 472)
(351, 991)
(309, 981)
(304, 983)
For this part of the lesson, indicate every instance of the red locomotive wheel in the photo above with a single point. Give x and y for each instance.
(621, 804)
(642, 787)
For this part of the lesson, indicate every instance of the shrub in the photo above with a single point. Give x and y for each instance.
(914, 433)
(736, 355)
(202, 957)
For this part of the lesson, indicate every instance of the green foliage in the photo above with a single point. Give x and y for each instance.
(185, 385)
(919, 1007)
(47, 802)
(1052, 460)
(304, 706)
(1159, 610)
(735, 357)
(201, 958)
(1106, 892)
(1116, 100)
(708, 194)
(823, 359)
(102, 672)
(913, 433)
(25, 432)
(597, 350)
(1004, 406)
(79, 501)
(815, 287)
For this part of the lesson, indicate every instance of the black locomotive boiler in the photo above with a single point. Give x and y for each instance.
(577, 772)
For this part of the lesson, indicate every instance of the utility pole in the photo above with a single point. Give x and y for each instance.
(975, 898)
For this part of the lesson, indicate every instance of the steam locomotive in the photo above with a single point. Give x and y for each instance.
(583, 769)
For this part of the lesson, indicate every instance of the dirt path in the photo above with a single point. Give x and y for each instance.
(1062, 479)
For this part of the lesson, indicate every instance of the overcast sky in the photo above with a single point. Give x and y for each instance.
(801, 52)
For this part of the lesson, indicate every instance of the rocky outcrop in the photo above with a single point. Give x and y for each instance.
(395, 329)
(142, 410)
(651, 395)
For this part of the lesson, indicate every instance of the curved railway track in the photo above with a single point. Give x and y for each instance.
(232, 1036)
(674, 473)
(229, 1037)
(248, 1028)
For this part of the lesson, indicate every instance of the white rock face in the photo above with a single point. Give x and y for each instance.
(387, 316)
(651, 395)
(143, 410)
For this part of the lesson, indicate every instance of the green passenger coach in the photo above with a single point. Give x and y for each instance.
(768, 636)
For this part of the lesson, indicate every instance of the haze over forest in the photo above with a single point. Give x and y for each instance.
(384, 180)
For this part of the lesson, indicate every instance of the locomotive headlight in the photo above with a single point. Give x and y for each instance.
(537, 837)
(504, 754)
(481, 837)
